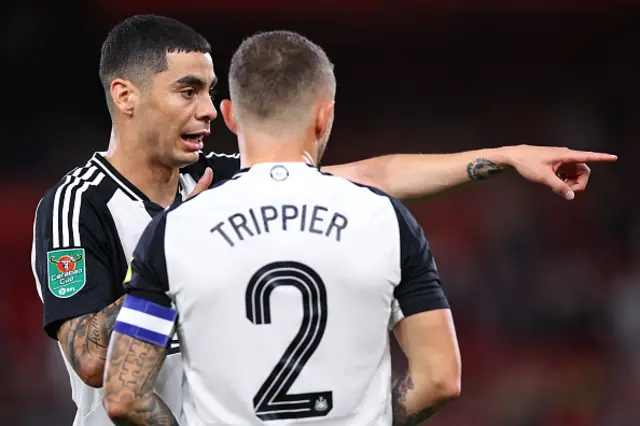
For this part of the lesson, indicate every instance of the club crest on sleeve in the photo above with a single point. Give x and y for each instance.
(66, 272)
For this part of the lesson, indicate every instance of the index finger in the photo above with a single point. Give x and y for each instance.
(588, 157)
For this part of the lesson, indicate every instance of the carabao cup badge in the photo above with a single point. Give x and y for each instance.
(67, 272)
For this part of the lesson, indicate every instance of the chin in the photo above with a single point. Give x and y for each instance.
(184, 159)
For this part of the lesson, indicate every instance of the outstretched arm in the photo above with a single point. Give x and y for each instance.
(416, 176)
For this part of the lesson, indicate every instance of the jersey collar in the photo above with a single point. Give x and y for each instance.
(273, 164)
(125, 185)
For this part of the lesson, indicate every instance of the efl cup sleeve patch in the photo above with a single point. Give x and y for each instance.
(146, 320)
(67, 272)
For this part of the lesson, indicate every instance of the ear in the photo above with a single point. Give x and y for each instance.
(124, 95)
(226, 107)
(324, 118)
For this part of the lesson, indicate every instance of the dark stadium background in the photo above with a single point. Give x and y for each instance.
(545, 292)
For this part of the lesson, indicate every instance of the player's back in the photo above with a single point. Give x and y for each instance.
(285, 297)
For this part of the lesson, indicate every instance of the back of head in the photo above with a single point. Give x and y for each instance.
(136, 49)
(277, 77)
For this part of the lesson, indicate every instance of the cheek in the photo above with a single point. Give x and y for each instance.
(170, 117)
(167, 120)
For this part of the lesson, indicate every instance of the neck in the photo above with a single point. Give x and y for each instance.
(261, 148)
(133, 161)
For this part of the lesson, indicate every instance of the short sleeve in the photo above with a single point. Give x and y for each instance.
(419, 289)
(147, 276)
(71, 256)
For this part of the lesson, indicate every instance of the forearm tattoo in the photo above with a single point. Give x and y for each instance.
(151, 412)
(400, 387)
(88, 335)
(132, 371)
(481, 169)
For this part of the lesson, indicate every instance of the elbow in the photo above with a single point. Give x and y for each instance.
(440, 388)
(118, 407)
(447, 382)
(91, 371)
(447, 389)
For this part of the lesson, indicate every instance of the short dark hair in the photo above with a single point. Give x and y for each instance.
(275, 74)
(137, 48)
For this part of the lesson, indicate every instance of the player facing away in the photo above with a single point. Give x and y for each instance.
(283, 281)
(157, 74)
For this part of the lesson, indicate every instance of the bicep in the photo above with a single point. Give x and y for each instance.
(429, 340)
(76, 277)
(422, 320)
(419, 289)
(93, 290)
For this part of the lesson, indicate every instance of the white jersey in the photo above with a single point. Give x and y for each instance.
(85, 231)
(286, 281)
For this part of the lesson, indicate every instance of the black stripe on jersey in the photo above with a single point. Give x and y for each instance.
(154, 209)
(237, 174)
(127, 187)
(65, 231)
(173, 347)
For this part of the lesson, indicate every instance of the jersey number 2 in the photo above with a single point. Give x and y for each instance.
(272, 401)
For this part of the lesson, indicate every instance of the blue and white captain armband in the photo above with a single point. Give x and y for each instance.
(146, 321)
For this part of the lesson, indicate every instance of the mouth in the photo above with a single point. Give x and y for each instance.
(194, 141)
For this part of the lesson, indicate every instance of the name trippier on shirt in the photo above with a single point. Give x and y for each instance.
(287, 217)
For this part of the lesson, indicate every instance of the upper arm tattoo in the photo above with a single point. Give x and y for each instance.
(131, 372)
(481, 169)
(88, 335)
(401, 385)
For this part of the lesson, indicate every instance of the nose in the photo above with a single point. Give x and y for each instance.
(206, 110)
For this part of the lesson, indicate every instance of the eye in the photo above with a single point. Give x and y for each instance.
(212, 93)
(188, 93)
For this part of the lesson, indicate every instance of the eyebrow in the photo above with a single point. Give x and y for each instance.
(192, 80)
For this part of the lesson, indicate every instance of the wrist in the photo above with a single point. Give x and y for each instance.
(488, 162)
(504, 157)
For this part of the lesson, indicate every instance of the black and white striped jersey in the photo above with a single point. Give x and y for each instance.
(85, 231)
(286, 281)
